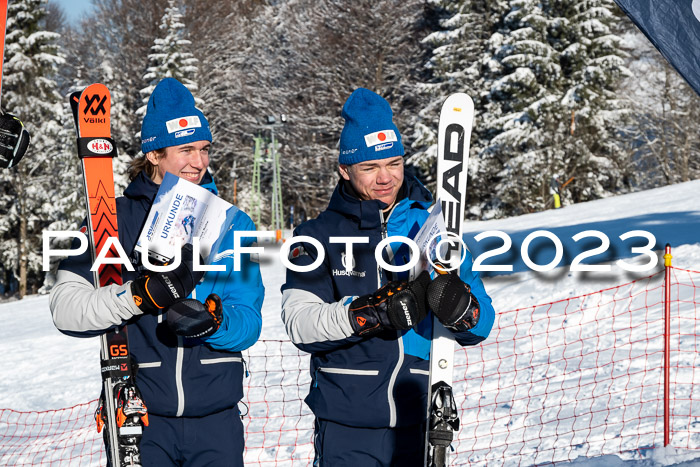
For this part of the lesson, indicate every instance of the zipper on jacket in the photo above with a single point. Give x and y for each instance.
(178, 377)
(384, 232)
(399, 340)
(149, 365)
(349, 371)
(178, 370)
(213, 361)
(392, 382)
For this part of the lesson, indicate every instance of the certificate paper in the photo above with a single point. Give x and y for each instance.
(427, 238)
(180, 212)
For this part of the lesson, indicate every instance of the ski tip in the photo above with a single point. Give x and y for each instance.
(458, 101)
(459, 104)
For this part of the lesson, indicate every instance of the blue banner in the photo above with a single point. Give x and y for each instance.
(673, 26)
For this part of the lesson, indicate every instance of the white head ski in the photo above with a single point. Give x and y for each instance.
(454, 132)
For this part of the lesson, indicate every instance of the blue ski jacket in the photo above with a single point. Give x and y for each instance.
(176, 376)
(374, 382)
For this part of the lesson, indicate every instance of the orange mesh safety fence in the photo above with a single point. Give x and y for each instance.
(577, 377)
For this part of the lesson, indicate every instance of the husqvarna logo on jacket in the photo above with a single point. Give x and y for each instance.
(349, 269)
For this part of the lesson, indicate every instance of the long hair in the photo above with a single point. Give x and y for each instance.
(141, 163)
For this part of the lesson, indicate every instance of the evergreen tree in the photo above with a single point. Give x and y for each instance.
(521, 80)
(30, 91)
(111, 46)
(459, 34)
(170, 57)
(66, 197)
(592, 60)
(551, 109)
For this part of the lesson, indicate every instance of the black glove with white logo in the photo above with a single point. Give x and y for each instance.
(453, 303)
(397, 305)
(156, 291)
(14, 140)
(192, 318)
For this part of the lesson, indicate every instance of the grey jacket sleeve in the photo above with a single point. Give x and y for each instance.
(308, 319)
(77, 306)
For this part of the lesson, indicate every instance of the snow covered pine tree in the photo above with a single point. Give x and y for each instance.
(14, 138)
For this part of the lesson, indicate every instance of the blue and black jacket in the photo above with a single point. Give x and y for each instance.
(176, 376)
(374, 382)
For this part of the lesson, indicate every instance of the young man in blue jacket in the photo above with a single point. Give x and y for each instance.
(190, 368)
(369, 333)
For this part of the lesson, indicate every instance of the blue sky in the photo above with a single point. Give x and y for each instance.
(74, 9)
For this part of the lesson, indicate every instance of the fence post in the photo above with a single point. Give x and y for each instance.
(667, 342)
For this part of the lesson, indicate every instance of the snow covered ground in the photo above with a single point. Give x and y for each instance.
(45, 370)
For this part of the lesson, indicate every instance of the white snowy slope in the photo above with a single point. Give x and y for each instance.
(44, 369)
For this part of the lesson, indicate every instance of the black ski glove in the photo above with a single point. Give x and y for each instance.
(156, 291)
(453, 303)
(14, 140)
(397, 305)
(192, 318)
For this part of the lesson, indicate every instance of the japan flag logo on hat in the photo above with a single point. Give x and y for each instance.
(183, 123)
(380, 137)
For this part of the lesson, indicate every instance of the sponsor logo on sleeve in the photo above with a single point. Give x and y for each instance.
(297, 252)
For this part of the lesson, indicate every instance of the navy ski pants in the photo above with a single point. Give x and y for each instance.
(214, 440)
(339, 445)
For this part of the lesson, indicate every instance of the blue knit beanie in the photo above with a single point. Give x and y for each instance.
(369, 132)
(171, 118)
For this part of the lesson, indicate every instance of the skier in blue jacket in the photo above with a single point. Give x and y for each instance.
(190, 368)
(369, 332)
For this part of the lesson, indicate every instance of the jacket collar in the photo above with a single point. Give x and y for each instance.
(345, 201)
